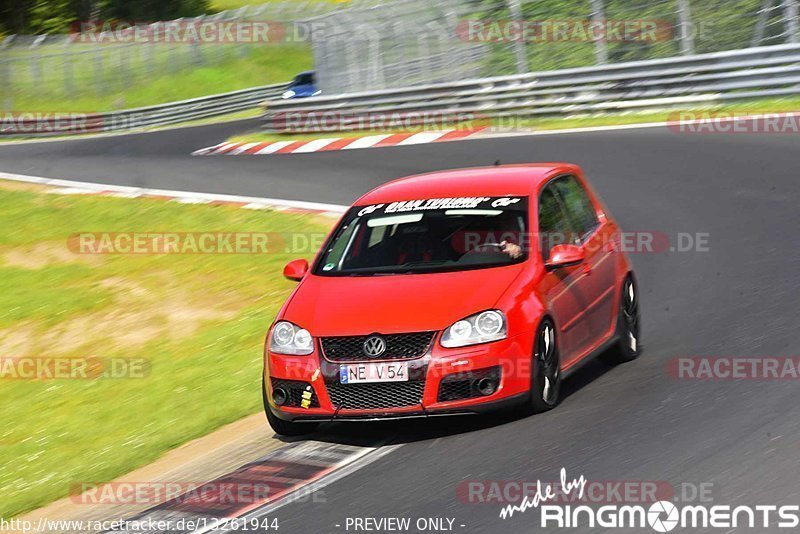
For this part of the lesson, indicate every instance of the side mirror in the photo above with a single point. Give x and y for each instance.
(295, 270)
(565, 256)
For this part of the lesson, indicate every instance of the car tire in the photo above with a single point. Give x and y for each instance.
(281, 427)
(628, 345)
(546, 369)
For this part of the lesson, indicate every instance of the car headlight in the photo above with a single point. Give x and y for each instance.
(288, 338)
(288, 94)
(482, 327)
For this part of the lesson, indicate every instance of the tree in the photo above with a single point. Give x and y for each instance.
(152, 10)
(13, 15)
(56, 16)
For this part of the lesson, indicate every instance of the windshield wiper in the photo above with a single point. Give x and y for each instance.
(424, 263)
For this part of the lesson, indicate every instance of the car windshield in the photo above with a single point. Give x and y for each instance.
(306, 78)
(428, 235)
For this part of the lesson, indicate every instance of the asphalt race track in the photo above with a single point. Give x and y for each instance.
(629, 423)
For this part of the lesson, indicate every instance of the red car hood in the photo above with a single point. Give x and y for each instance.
(360, 305)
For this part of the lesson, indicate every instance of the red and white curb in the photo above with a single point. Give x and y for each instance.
(66, 187)
(335, 143)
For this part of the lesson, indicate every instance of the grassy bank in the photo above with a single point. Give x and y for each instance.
(197, 320)
(222, 5)
(782, 105)
(265, 65)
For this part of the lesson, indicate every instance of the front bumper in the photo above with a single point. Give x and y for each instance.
(327, 400)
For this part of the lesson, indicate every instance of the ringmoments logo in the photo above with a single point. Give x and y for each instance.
(663, 516)
(660, 516)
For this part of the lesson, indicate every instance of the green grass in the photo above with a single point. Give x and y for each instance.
(222, 5)
(169, 81)
(199, 320)
(218, 119)
(739, 108)
(559, 123)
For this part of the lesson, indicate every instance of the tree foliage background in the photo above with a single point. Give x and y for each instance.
(53, 16)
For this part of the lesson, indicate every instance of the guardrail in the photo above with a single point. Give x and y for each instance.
(53, 124)
(699, 79)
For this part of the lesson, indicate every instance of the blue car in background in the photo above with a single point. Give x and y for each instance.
(302, 86)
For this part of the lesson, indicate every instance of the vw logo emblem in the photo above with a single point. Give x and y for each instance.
(374, 346)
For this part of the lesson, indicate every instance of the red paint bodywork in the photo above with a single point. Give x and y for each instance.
(581, 299)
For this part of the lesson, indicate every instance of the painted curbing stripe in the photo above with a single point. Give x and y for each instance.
(365, 142)
(273, 147)
(337, 143)
(393, 140)
(358, 460)
(422, 138)
(224, 147)
(290, 473)
(241, 149)
(256, 148)
(207, 150)
(133, 192)
(454, 135)
(288, 149)
(315, 145)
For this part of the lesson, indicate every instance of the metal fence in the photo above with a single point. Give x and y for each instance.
(36, 68)
(55, 124)
(409, 42)
(688, 81)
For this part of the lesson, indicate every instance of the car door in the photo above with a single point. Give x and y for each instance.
(562, 288)
(598, 276)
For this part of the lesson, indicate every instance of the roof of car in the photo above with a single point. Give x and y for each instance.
(502, 180)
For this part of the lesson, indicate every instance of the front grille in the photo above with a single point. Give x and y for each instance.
(398, 347)
(296, 388)
(464, 385)
(376, 396)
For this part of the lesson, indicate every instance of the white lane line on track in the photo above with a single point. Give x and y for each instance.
(208, 197)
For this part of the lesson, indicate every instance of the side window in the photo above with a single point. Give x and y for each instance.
(578, 206)
(554, 227)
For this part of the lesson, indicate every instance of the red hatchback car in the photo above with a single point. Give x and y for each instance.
(449, 293)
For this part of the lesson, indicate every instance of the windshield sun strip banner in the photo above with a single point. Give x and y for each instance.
(449, 203)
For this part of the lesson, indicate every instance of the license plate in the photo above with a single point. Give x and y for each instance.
(373, 372)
